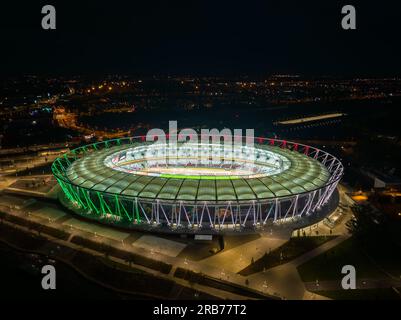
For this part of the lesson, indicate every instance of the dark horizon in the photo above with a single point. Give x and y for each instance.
(230, 77)
(201, 38)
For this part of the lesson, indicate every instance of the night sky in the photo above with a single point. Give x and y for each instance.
(201, 37)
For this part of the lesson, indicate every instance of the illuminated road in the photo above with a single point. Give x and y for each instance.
(310, 119)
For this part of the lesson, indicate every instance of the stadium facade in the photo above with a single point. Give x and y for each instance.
(133, 183)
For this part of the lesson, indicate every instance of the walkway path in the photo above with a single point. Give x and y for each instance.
(285, 279)
(238, 258)
(360, 284)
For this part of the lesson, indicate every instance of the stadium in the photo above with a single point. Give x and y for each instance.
(196, 187)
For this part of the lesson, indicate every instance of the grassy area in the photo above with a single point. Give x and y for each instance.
(374, 249)
(369, 261)
(361, 294)
(290, 250)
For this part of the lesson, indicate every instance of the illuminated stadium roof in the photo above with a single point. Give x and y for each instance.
(203, 187)
(127, 170)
